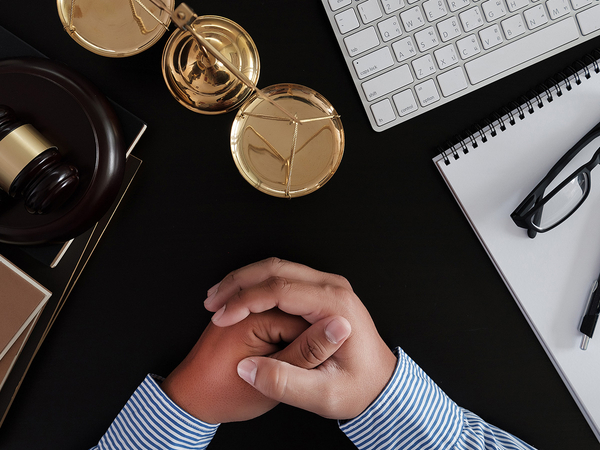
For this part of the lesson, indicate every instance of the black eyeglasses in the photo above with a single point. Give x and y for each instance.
(562, 191)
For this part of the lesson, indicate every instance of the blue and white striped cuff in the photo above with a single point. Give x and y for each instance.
(412, 412)
(151, 420)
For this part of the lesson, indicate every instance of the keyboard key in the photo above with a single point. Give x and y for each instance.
(446, 56)
(404, 49)
(589, 20)
(347, 21)
(425, 53)
(493, 9)
(468, 47)
(337, 4)
(449, 29)
(513, 26)
(518, 52)
(362, 41)
(373, 63)
(427, 93)
(391, 6)
(369, 11)
(434, 9)
(412, 18)
(514, 5)
(383, 112)
(423, 66)
(580, 3)
(426, 39)
(490, 37)
(405, 102)
(455, 5)
(390, 28)
(471, 19)
(452, 81)
(388, 82)
(536, 17)
(558, 8)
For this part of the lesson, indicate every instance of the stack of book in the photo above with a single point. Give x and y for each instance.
(35, 281)
(22, 300)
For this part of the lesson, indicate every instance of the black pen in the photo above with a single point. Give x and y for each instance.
(590, 318)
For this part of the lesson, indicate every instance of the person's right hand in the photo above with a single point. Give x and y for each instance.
(345, 384)
(206, 383)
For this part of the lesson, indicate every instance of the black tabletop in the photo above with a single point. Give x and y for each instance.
(386, 221)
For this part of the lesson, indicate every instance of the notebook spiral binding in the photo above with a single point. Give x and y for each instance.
(515, 111)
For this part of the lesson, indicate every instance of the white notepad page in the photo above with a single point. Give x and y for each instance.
(550, 276)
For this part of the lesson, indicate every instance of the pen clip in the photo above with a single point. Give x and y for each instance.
(591, 296)
(586, 339)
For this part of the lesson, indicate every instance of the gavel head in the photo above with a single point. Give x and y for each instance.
(32, 167)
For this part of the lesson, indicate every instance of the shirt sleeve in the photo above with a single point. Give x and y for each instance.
(412, 412)
(151, 420)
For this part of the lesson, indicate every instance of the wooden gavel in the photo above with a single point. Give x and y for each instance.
(32, 167)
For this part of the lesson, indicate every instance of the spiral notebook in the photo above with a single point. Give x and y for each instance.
(491, 169)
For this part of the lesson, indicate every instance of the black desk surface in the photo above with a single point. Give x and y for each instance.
(386, 221)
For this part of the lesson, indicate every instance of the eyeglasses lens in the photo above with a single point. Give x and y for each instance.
(564, 201)
(572, 194)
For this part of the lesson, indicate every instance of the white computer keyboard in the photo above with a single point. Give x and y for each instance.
(409, 56)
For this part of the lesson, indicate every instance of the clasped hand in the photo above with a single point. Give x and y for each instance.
(334, 364)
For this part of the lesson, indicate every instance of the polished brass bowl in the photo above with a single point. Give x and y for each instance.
(114, 28)
(282, 158)
(200, 82)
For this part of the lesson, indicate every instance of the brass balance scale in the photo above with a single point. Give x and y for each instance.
(286, 140)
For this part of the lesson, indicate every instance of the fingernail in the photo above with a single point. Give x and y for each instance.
(216, 316)
(213, 290)
(336, 330)
(247, 371)
(210, 295)
(209, 299)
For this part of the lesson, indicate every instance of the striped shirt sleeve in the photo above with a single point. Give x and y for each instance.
(412, 412)
(151, 420)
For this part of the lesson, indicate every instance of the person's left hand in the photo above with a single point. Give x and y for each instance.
(206, 384)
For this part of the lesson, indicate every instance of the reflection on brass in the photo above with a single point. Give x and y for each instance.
(139, 20)
(185, 18)
(197, 79)
(114, 28)
(17, 149)
(284, 158)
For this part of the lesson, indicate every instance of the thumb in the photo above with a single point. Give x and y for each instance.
(297, 375)
(317, 343)
(286, 383)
